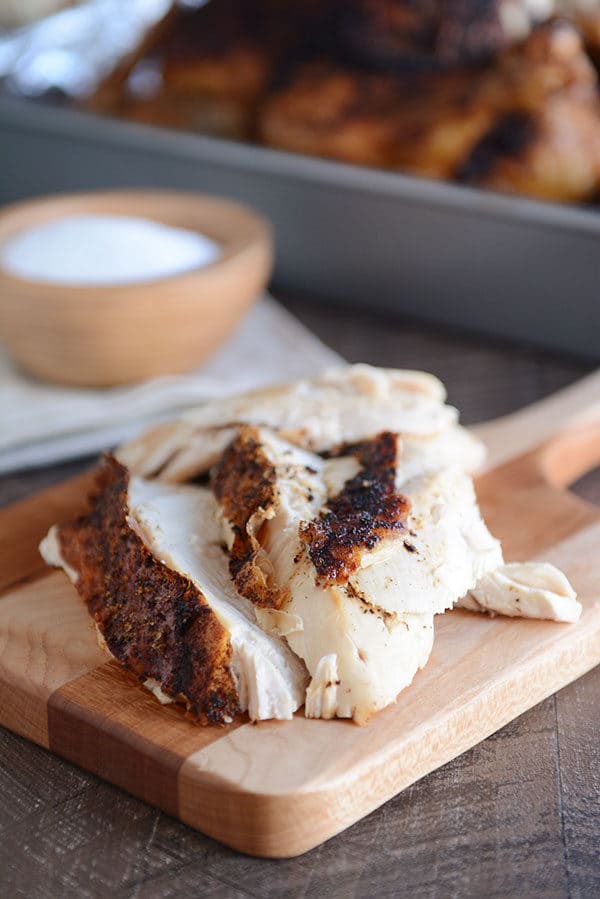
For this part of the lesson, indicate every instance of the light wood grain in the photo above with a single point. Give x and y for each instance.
(46, 640)
(278, 788)
(102, 336)
(108, 723)
(314, 781)
(572, 415)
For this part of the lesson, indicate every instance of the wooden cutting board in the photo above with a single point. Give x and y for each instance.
(279, 788)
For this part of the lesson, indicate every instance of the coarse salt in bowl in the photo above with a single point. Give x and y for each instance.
(107, 288)
(104, 250)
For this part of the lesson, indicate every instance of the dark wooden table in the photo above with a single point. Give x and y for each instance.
(517, 816)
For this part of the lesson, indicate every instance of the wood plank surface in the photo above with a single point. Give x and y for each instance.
(378, 856)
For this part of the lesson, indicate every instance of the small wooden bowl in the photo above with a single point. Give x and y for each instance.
(105, 335)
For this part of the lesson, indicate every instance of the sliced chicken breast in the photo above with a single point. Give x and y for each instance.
(149, 562)
(413, 546)
(345, 566)
(341, 406)
(338, 519)
(445, 550)
(526, 590)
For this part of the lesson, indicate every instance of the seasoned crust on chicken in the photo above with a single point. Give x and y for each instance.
(244, 484)
(367, 510)
(343, 635)
(203, 69)
(206, 68)
(413, 546)
(528, 123)
(295, 574)
(149, 562)
(152, 619)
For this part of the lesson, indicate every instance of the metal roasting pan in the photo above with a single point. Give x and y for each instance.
(499, 265)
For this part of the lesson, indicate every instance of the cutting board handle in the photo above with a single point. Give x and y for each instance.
(563, 431)
(534, 454)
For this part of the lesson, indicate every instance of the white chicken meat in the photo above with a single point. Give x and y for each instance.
(343, 405)
(344, 566)
(525, 590)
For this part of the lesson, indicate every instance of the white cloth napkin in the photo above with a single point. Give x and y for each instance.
(42, 423)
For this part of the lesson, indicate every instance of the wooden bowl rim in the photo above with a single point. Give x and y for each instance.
(249, 229)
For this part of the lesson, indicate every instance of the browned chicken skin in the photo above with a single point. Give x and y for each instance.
(207, 68)
(527, 123)
(441, 88)
(152, 619)
(203, 69)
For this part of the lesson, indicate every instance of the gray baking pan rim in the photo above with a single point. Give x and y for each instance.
(495, 264)
(97, 129)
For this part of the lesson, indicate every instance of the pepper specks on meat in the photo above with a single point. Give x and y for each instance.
(368, 509)
(244, 483)
(154, 620)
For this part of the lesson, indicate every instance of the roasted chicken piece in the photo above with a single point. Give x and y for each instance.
(524, 590)
(346, 564)
(203, 69)
(148, 561)
(527, 123)
(309, 566)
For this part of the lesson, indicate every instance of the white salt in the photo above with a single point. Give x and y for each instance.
(92, 250)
